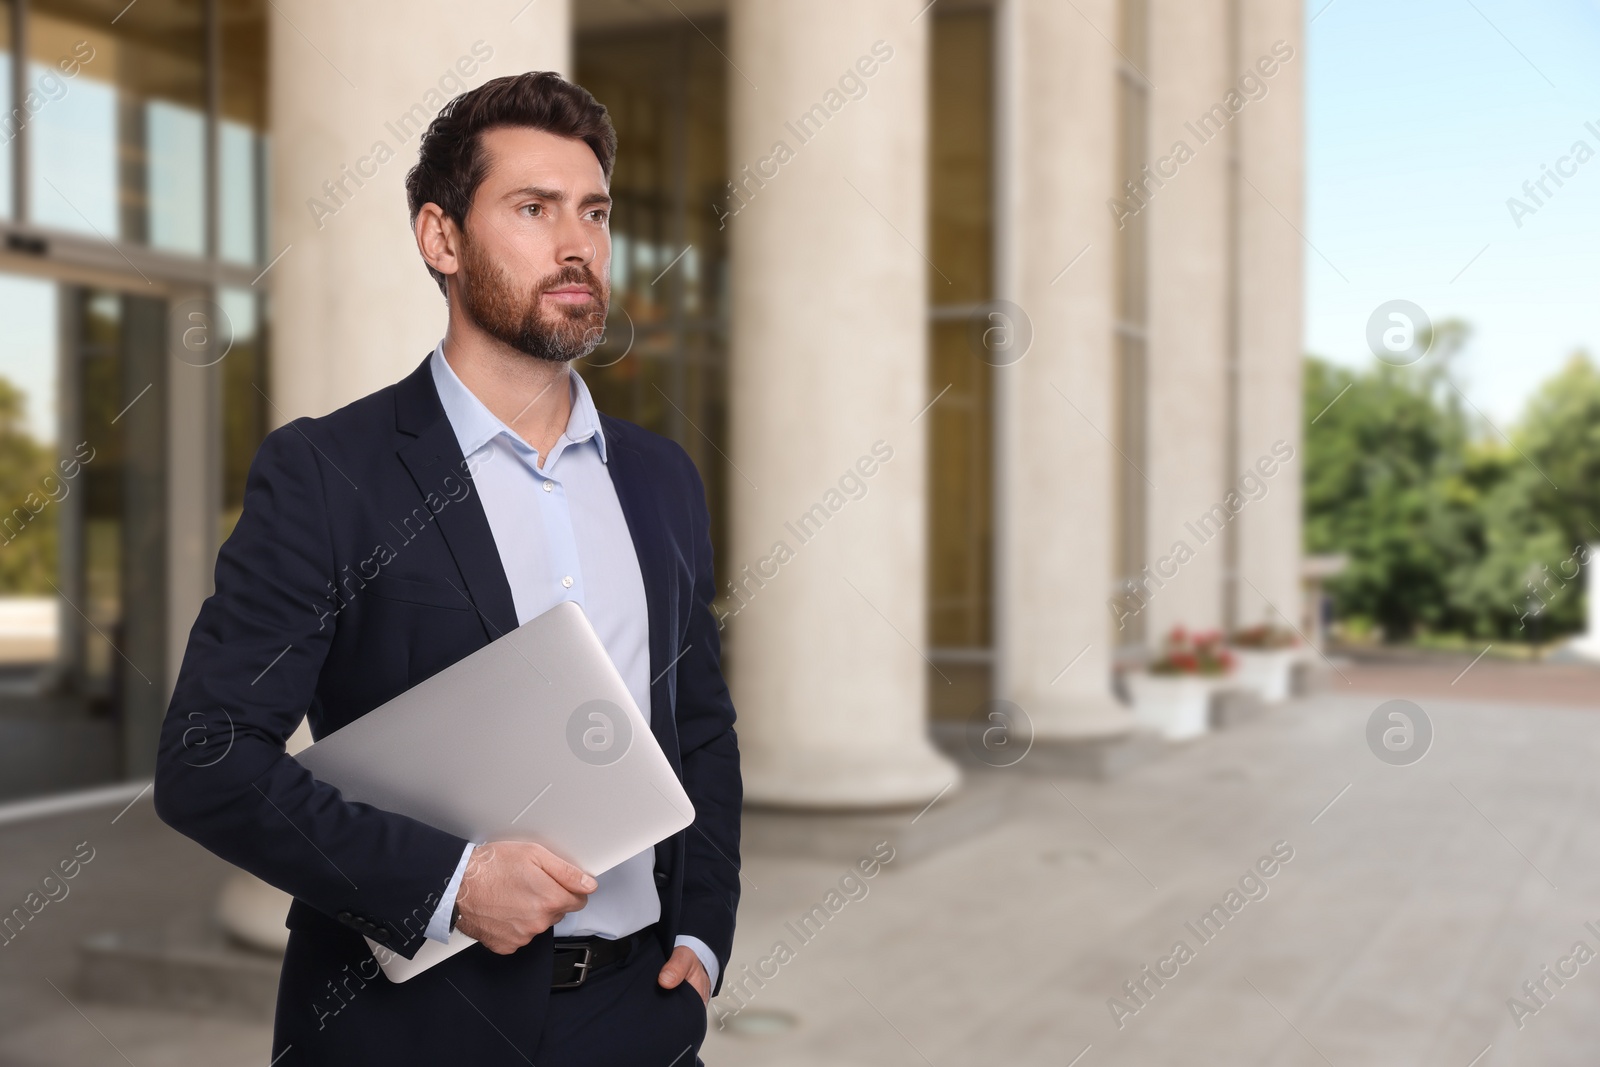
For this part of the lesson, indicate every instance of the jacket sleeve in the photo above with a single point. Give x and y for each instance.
(249, 675)
(710, 754)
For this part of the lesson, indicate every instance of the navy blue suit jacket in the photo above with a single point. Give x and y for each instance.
(363, 563)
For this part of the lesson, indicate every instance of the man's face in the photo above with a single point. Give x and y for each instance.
(536, 251)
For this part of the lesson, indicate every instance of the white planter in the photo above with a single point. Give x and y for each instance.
(1267, 671)
(1177, 706)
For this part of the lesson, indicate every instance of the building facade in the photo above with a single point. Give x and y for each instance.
(981, 321)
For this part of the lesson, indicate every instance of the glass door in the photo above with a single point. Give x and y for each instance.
(52, 733)
(82, 548)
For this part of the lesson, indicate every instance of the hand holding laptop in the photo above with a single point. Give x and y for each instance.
(543, 754)
(513, 891)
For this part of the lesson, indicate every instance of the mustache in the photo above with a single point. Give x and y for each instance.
(572, 274)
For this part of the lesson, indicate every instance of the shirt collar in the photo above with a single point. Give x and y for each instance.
(475, 425)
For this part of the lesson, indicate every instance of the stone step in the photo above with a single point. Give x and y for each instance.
(1099, 759)
(963, 812)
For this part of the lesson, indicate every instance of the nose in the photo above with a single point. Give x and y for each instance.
(575, 245)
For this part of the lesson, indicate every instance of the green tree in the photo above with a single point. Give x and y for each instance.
(1390, 483)
(28, 541)
(1543, 514)
(1449, 526)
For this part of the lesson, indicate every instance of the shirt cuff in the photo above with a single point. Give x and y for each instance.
(708, 959)
(439, 925)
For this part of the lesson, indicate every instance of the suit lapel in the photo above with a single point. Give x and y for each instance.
(433, 458)
(639, 507)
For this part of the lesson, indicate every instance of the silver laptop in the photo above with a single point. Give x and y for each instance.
(534, 737)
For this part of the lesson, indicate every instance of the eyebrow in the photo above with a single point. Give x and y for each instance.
(557, 196)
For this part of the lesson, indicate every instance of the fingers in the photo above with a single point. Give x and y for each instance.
(568, 902)
(511, 896)
(565, 874)
(683, 965)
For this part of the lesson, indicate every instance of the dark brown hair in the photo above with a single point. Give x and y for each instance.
(450, 160)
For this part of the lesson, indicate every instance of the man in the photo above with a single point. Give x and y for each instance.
(384, 542)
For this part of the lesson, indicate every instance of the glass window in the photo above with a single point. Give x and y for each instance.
(34, 503)
(117, 358)
(960, 425)
(28, 444)
(961, 225)
(175, 142)
(9, 119)
(241, 130)
(664, 363)
(239, 193)
(960, 457)
(119, 135)
(72, 129)
(99, 362)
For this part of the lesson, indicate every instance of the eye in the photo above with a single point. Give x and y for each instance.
(534, 210)
(599, 214)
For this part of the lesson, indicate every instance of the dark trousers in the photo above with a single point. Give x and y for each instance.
(621, 1017)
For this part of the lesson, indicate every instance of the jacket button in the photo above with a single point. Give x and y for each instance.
(661, 879)
(380, 934)
(344, 917)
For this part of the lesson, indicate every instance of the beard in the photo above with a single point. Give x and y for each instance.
(493, 301)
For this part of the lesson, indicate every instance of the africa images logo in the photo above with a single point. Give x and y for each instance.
(1399, 732)
(599, 732)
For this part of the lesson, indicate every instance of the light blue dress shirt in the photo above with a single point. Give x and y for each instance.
(562, 536)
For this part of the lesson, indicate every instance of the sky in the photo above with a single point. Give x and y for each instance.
(1423, 117)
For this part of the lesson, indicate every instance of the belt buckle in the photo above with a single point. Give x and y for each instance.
(581, 966)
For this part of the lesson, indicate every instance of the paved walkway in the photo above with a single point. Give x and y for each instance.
(141, 874)
(1462, 677)
(1418, 899)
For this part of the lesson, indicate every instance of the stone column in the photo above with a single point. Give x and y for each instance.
(828, 216)
(353, 84)
(1055, 476)
(194, 474)
(1272, 159)
(1189, 310)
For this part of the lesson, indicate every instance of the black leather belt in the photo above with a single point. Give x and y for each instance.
(577, 958)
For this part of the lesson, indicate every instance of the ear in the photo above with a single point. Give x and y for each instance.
(438, 239)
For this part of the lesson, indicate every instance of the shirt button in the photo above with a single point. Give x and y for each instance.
(567, 582)
(549, 486)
